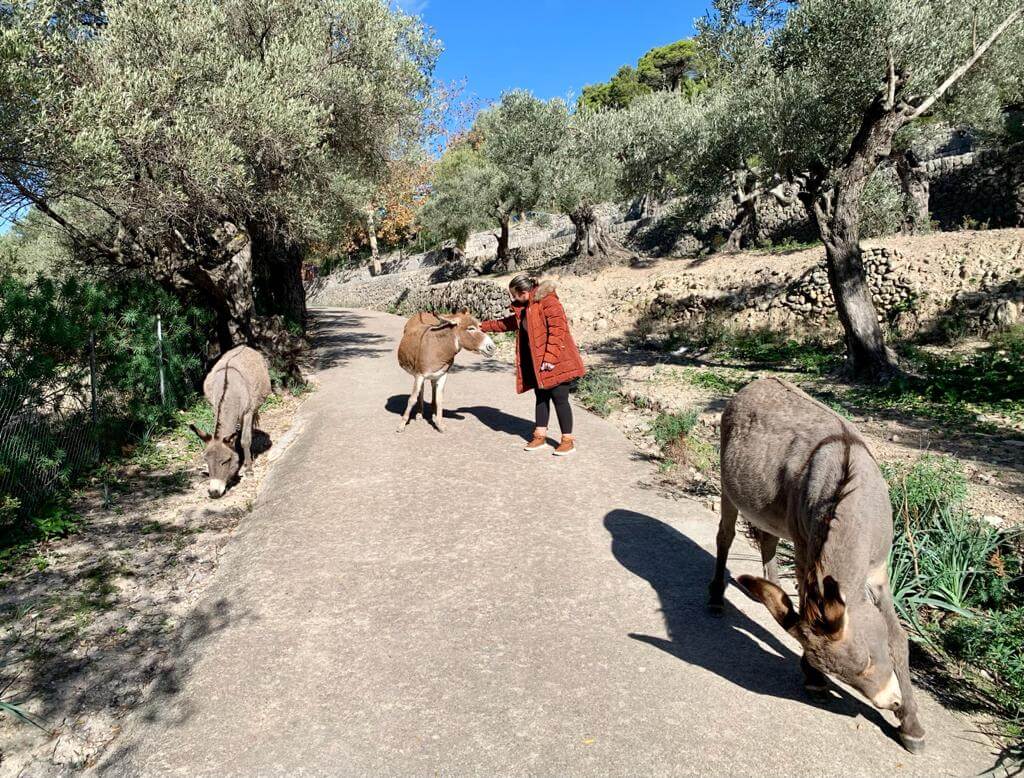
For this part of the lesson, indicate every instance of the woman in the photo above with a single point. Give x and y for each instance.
(547, 360)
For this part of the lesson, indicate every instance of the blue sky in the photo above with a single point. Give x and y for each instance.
(551, 47)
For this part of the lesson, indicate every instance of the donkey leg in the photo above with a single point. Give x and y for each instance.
(769, 545)
(815, 681)
(439, 402)
(247, 424)
(726, 533)
(911, 731)
(417, 391)
(423, 385)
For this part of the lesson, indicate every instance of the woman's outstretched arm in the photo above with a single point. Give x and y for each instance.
(499, 325)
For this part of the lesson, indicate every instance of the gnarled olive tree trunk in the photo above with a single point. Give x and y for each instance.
(253, 284)
(746, 190)
(503, 238)
(834, 205)
(915, 185)
(591, 238)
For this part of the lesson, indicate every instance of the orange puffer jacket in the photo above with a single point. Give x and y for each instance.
(550, 340)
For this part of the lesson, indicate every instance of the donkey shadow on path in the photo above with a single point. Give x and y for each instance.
(679, 570)
(497, 420)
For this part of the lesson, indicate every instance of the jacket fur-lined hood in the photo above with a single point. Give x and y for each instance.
(544, 288)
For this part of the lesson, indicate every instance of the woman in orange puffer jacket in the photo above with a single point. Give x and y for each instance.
(547, 359)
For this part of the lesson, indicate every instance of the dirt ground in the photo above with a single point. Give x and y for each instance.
(605, 309)
(95, 619)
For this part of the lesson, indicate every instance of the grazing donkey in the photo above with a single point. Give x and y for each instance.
(235, 388)
(795, 469)
(427, 351)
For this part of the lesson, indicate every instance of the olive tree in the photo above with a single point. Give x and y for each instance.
(497, 169)
(465, 194)
(519, 134)
(207, 144)
(828, 84)
(584, 171)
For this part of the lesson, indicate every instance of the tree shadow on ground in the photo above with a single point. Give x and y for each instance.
(679, 571)
(338, 337)
(87, 642)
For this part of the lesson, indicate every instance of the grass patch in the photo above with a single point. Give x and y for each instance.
(958, 388)
(715, 382)
(760, 347)
(599, 390)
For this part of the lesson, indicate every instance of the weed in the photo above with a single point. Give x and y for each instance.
(599, 390)
(670, 427)
(715, 382)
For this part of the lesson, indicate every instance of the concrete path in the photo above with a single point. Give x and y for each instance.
(446, 604)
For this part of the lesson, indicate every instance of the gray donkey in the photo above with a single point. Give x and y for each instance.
(795, 469)
(235, 388)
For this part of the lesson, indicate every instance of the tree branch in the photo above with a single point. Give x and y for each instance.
(957, 74)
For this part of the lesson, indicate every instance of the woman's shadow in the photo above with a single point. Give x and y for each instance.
(679, 570)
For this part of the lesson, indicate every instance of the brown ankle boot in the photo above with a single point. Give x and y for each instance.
(540, 440)
(566, 447)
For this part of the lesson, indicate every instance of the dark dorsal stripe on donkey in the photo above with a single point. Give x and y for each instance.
(797, 470)
(427, 351)
(235, 388)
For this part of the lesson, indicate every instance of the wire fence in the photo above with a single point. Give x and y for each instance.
(53, 432)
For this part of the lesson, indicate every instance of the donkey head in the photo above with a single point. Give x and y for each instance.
(850, 644)
(222, 460)
(467, 332)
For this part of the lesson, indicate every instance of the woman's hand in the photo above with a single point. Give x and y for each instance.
(546, 367)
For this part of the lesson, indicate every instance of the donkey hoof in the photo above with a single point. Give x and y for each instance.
(401, 427)
(816, 690)
(914, 745)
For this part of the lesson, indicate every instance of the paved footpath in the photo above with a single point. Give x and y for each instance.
(425, 604)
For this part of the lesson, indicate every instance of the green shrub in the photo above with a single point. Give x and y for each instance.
(714, 382)
(599, 390)
(955, 579)
(996, 644)
(670, 427)
(52, 333)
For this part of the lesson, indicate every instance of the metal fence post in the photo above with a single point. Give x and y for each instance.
(92, 379)
(160, 357)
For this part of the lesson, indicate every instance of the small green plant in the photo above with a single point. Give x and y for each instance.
(670, 427)
(599, 390)
(715, 382)
(56, 521)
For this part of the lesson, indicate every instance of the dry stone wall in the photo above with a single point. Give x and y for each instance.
(982, 188)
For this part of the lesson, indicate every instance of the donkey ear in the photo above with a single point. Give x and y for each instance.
(444, 324)
(828, 609)
(773, 598)
(230, 439)
(203, 436)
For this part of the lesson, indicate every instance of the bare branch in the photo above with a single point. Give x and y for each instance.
(957, 74)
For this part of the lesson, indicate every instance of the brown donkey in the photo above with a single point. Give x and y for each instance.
(427, 351)
(797, 470)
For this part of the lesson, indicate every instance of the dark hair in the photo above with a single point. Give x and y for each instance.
(523, 282)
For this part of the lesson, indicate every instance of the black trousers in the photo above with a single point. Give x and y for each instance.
(560, 394)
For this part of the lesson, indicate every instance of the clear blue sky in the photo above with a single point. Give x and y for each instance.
(551, 47)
